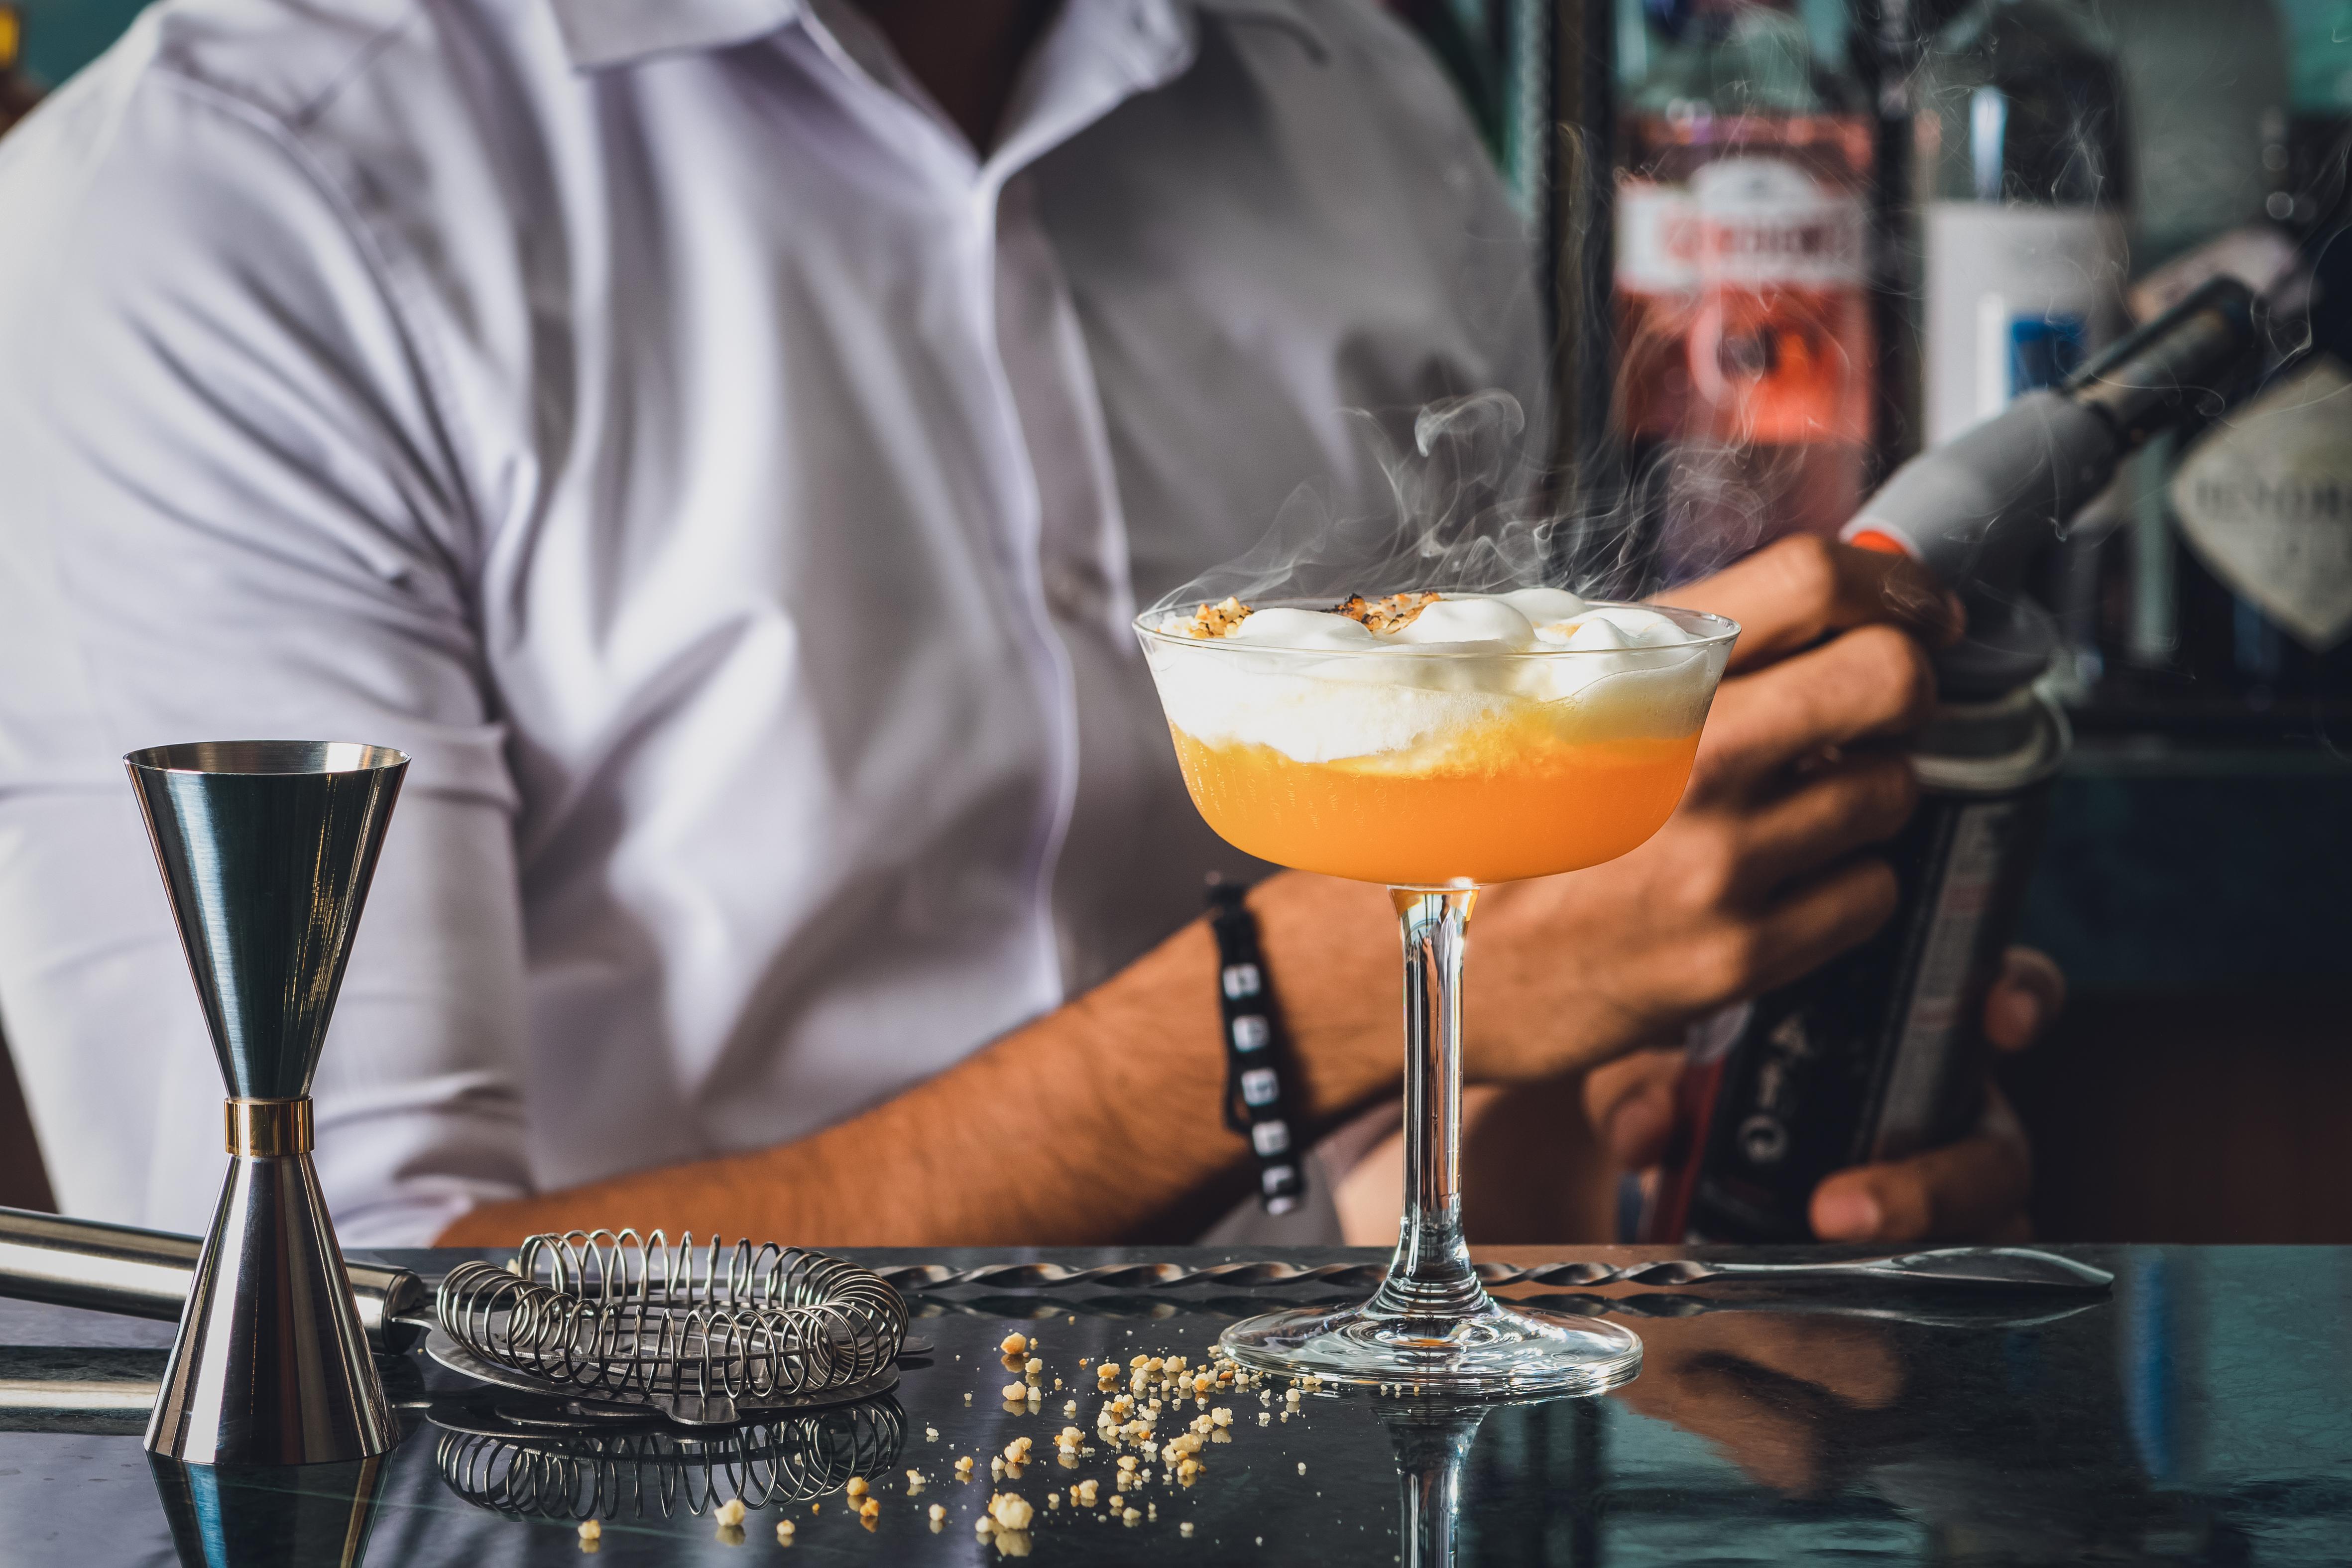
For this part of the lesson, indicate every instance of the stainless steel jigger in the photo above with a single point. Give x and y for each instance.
(266, 848)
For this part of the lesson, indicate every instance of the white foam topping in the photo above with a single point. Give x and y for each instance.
(1467, 622)
(1304, 629)
(1621, 670)
(1544, 606)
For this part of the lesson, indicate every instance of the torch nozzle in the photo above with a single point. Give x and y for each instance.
(1975, 510)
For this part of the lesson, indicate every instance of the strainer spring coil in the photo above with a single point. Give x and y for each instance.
(793, 1458)
(617, 1316)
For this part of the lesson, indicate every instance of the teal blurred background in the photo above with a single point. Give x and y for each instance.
(63, 36)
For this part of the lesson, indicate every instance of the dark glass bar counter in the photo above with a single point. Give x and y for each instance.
(2200, 1413)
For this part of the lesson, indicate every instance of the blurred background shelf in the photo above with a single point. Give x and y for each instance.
(2199, 894)
(2172, 869)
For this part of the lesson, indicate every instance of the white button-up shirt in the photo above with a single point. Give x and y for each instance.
(732, 490)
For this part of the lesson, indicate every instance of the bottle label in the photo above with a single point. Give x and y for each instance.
(1745, 339)
(2265, 500)
(1763, 223)
(2016, 297)
(1657, 239)
(1741, 222)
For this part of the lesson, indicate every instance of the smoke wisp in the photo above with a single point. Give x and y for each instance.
(1468, 514)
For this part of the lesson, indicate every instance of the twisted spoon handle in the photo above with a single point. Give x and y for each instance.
(1971, 1267)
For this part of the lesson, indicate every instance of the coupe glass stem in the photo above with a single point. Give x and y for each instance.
(1432, 1450)
(1432, 1279)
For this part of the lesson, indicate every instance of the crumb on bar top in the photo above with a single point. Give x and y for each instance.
(1222, 620)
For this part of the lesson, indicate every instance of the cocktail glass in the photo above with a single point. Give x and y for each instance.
(1437, 769)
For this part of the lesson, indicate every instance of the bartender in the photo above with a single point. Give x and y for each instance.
(724, 443)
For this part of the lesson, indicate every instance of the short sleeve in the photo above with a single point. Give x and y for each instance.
(233, 511)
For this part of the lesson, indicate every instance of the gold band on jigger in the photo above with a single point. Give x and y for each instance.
(263, 1128)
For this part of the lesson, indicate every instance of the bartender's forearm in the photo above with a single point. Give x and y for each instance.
(1101, 1121)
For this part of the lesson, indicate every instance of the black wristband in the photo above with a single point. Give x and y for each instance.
(1257, 1091)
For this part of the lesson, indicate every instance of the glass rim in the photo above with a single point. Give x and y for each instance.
(1723, 631)
(268, 759)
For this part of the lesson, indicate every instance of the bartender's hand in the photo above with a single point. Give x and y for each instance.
(1973, 1190)
(1785, 1397)
(1764, 872)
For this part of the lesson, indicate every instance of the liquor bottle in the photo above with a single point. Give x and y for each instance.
(17, 93)
(2018, 137)
(2262, 502)
(2262, 505)
(2019, 177)
(2239, 580)
(1743, 315)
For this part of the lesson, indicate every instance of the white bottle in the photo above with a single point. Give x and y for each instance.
(2018, 135)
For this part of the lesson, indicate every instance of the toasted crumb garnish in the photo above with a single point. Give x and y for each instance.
(1208, 621)
(1391, 614)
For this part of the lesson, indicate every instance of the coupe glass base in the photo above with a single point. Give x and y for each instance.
(1495, 1351)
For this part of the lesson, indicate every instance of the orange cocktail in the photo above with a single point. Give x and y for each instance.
(1437, 742)
(1434, 742)
(1495, 804)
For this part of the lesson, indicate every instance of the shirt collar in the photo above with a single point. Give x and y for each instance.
(600, 33)
(1288, 15)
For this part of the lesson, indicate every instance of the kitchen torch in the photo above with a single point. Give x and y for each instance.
(1879, 1052)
